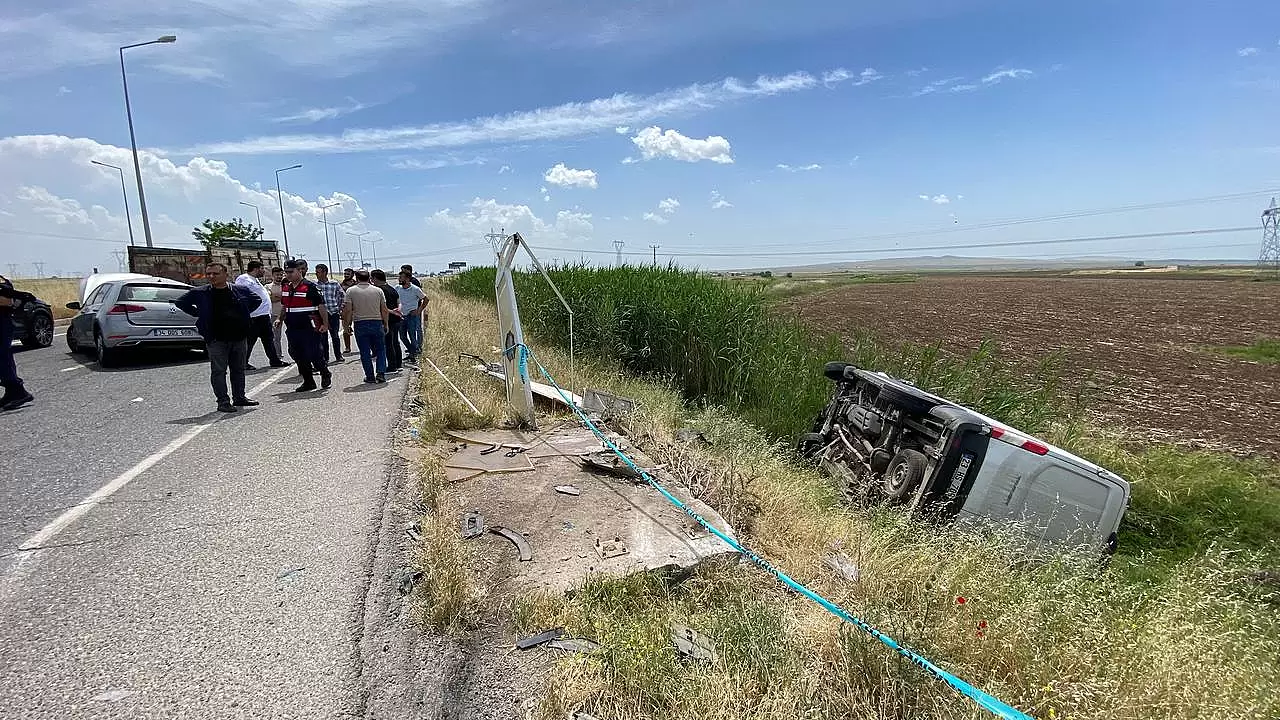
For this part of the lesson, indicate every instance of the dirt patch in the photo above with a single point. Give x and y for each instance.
(1141, 340)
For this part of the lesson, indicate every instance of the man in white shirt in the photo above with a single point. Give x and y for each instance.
(260, 319)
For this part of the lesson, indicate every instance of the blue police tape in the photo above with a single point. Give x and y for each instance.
(987, 702)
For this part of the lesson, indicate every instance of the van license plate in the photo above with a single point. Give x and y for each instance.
(957, 478)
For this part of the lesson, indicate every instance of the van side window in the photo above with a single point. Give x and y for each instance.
(1060, 503)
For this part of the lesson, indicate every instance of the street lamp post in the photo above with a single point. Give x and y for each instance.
(335, 235)
(256, 210)
(137, 169)
(373, 246)
(123, 192)
(324, 215)
(284, 229)
(360, 241)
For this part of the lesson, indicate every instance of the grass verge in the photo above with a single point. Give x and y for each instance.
(55, 291)
(1199, 639)
(1265, 350)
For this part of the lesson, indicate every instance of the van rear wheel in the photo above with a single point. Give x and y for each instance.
(903, 475)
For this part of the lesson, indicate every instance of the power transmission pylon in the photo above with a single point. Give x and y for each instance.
(654, 248)
(351, 258)
(13, 270)
(617, 246)
(39, 269)
(1270, 255)
(119, 258)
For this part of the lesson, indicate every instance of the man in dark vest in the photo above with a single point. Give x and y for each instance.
(306, 324)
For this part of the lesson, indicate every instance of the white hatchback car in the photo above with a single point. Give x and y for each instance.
(127, 311)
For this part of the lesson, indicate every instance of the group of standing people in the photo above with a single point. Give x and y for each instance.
(311, 315)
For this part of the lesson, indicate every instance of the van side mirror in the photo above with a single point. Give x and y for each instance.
(73, 305)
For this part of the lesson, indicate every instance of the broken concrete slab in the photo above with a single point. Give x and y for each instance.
(562, 531)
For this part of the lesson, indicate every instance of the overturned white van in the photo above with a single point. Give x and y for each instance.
(884, 439)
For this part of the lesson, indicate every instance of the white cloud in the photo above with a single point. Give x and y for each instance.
(434, 163)
(569, 177)
(64, 90)
(718, 202)
(936, 85)
(192, 72)
(1247, 52)
(799, 168)
(669, 205)
(63, 210)
(468, 225)
(628, 160)
(835, 77)
(939, 199)
(314, 115)
(868, 75)
(1007, 74)
(504, 169)
(917, 72)
(963, 87)
(546, 194)
(575, 119)
(923, 197)
(654, 142)
(656, 219)
(622, 129)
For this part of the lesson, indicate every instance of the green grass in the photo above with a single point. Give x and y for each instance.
(1265, 350)
(720, 342)
(1183, 624)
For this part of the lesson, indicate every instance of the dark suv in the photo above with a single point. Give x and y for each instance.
(32, 321)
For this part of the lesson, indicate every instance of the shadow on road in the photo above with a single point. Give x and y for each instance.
(141, 360)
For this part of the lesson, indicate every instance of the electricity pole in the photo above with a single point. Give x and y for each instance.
(655, 253)
(119, 258)
(13, 270)
(1270, 255)
(351, 258)
(39, 269)
(617, 246)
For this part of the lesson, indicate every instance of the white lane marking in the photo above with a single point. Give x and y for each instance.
(60, 523)
(74, 367)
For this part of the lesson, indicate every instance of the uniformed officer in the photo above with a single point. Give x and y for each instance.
(306, 323)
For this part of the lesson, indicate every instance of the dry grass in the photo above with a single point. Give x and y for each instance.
(1060, 639)
(56, 292)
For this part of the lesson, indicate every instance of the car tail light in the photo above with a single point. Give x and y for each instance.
(122, 308)
(1026, 443)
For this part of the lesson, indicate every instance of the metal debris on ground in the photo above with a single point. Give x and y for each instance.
(610, 548)
(540, 639)
(843, 566)
(692, 643)
(408, 578)
(601, 403)
(289, 572)
(568, 490)
(611, 465)
(473, 525)
(690, 435)
(413, 532)
(578, 645)
(526, 554)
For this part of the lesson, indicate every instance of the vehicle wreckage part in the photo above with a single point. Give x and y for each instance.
(904, 474)
(568, 490)
(984, 700)
(540, 639)
(470, 404)
(692, 643)
(517, 539)
(473, 525)
(578, 645)
(611, 548)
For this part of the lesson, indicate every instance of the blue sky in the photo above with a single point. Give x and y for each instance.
(739, 130)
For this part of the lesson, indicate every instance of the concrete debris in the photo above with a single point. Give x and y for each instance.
(568, 490)
(843, 566)
(691, 643)
(540, 639)
(526, 554)
(611, 548)
(473, 525)
(578, 645)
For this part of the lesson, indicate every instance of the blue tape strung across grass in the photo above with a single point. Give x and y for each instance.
(987, 702)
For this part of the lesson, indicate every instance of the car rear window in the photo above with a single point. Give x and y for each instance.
(151, 293)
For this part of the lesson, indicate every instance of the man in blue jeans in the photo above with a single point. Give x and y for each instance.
(413, 303)
(365, 309)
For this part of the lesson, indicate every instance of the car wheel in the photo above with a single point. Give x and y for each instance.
(72, 344)
(39, 332)
(838, 371)
(904, 474)
(106, 356)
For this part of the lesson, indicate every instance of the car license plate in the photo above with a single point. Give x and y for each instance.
(172, 332)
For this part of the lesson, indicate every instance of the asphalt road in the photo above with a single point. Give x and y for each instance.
(162, 560)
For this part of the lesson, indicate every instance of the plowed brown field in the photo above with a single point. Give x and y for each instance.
(1143, 340)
